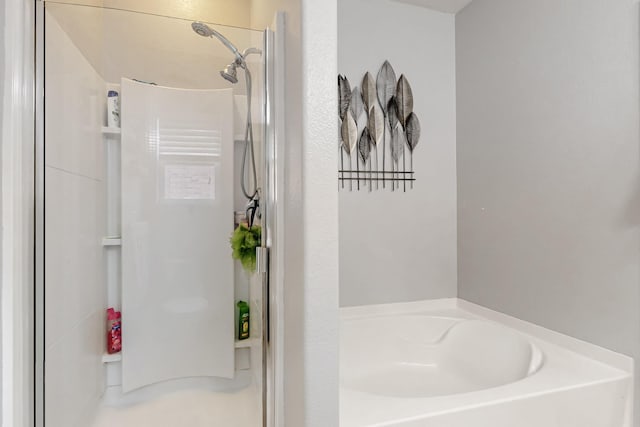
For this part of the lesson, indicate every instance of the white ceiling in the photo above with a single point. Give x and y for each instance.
(448, 6)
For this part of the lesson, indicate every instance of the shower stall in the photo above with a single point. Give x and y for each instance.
(154, 144)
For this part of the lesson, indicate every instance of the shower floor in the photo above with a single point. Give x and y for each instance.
(192, 408)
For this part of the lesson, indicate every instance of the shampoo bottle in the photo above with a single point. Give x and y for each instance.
(243, 320)
(114, 331)
(113, 109)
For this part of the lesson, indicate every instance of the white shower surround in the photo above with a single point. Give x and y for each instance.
(450, 362)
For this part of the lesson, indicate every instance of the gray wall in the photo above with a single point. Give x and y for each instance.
(548, 164)
(397, 246)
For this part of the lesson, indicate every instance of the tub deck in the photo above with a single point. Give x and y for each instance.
(576, 384)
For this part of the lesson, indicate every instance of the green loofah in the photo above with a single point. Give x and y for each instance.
(244, 242)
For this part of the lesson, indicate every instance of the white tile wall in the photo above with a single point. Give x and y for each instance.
(75, 111)
(74, 374)
(74, 258)
(75, 291)
(75, 224)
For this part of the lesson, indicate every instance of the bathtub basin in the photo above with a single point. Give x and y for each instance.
(424, 356)
(449, 363)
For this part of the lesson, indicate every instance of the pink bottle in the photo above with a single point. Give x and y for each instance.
(114, 331)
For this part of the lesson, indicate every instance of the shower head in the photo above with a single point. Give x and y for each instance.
(204, 30)
(230, 73)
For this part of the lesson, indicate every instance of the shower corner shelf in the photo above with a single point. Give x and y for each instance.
(111, 241)
(110, 130)
(249, 342)
(111, 358)
(238, 138)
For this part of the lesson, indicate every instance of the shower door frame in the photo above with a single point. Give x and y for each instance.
(39, 215)
(17, 143)
(274, 223)
(273, 226)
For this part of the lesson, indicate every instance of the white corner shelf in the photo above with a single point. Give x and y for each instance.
(111, 241)
(238, 138)
(110, 131)
(249, 342)
(111, 358)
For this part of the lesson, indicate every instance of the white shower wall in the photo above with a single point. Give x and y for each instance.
(75, 290)
(397, 246)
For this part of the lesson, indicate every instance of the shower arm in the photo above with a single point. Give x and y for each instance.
(241, 59)
(250, 50)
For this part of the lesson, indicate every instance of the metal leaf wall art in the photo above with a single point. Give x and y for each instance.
(388, 103)
(364, 149)
(349, 134)
(404, 99)
(369, 94)
(356, 106)
(344, 95)
(386, 84)
(412, 129)
(375, 125)
(392, 113)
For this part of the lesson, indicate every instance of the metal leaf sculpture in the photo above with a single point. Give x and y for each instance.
(364, 148)
(355, 105)
(364, 145)
(397, 143)
(349, 133)
(412, 129)
(392, 113)
(376, 124)
(404, 99)
(344, 95)
(386, 85)
(340, 144)
(340, 84)
(397, 150)
(369, 95)
(388, 102)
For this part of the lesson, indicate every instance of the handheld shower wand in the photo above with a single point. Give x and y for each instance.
(204, 30)
(230, 73)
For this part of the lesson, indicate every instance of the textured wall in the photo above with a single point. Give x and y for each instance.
(397, 246)
(310, 209)
(2, 91)
(548, 151)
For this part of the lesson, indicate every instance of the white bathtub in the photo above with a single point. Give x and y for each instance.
(439, 364)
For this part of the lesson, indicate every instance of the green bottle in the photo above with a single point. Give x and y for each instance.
(243, 320)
